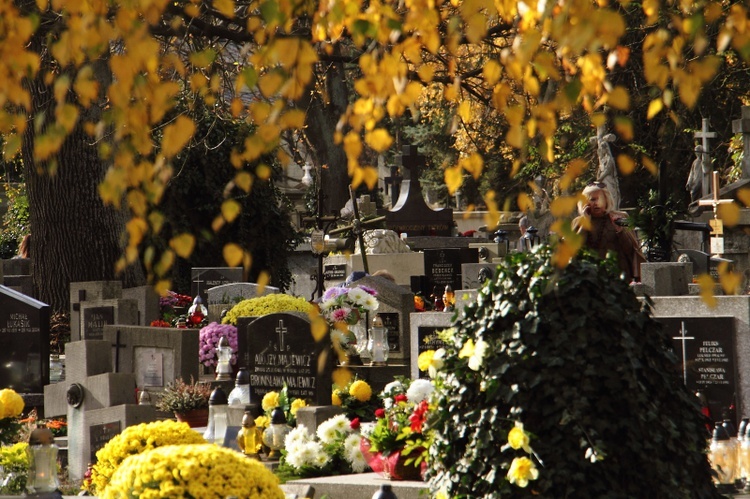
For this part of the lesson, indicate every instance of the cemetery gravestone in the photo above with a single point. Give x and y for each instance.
(226, 296)
(24, 342)
(424, 327)
(706, 351)
(443, 267)
(91, 291)
(148, 303)
(205, 278)
(282, 351)
(98, 314)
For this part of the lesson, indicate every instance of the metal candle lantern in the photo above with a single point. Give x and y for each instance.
(377, 345)
(249, 438)
(42, 453)
(276, 433)
(223, 366)
(240, 394)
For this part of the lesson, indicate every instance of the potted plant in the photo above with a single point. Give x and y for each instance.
(188, 401)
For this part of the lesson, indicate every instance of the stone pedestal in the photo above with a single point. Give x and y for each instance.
(666, 278)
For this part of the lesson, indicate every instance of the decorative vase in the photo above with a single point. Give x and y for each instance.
(395, 468)
(197, 418)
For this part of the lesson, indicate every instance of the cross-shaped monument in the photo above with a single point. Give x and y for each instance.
(717, 232)
(704, 135)
(742, 126)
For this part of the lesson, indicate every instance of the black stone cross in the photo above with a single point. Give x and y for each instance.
(394, 182)
(117, 346)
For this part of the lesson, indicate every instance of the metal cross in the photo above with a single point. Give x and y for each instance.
(684, 355)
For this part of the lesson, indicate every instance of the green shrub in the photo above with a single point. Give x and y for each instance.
(577, 358)
(15, 220)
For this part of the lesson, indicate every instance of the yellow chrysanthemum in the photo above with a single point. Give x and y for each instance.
(262, 421)
(192, 471)
(425, 360)
(522, 470)
(270, 401)
(360, 390)
(12, 403)
(518, 438)
(335, 399)
(296, 404)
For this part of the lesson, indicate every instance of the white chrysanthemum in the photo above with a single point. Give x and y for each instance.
(338, 336)
(357, 461)
(341, 423)
(392, 388)
(303, 454)
(370, 303)
(357, 295)
(327, 305)
(351, 442)
(327, 432)
(476, 358)
(299, 435)
(321, 458)
(419, 390)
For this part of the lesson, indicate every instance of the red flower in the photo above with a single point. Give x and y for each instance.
(400, 398)
(380, 413)
(418, 417)
(354, 425)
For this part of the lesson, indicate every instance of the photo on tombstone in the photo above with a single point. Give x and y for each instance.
(283, 351)
(705, 350)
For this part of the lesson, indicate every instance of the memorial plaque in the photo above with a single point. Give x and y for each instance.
(705, 349)
(154, 375)
(283, 351)
(94, 320)
(24, 342)
(428, 339)
(334, 272)
(100, 434)
(153, 366)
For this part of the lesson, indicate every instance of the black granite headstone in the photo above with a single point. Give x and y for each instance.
(100, 434)
(443, 266)
(94, 320)
(283, 351)
(24, 342)
(391, 323)
(705, 349)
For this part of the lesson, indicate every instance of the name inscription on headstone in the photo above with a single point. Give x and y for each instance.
(100, 434)
(19, 322)
(706, 352)
(391, 323)
(94, 320)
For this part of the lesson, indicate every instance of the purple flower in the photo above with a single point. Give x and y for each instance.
(334, 292)
(209, 341)
(370, 291)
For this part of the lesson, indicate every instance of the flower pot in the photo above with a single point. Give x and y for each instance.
(196, 418)
(395, 468)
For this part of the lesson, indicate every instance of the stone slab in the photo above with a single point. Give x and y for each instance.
(362, 486)
(148, 303)
(666, 278)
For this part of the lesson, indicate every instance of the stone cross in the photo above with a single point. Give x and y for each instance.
(717, 240)
(704, 135)
(682, 337)
(742, 126)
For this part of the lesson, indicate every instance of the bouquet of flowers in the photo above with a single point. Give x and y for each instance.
(348, 305)
(11, 406)
(209, 342)
(135, 440)
(170, 301)
(335, 451)
(357, 400)
(272, 400)
(397, 446)
(192, 471)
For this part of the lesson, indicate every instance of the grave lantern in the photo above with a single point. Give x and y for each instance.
(42, 453)
(276, 433)
(501, 238)
(377, 345)
(249, 438)
(224, 354)
(217, 417)
(723, 457)
(531, 239)
(197, 309)
(240, 394)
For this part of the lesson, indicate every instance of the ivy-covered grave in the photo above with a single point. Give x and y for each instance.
(572, 358)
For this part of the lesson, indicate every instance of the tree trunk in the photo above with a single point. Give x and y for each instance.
(322, 117)
(74, 237)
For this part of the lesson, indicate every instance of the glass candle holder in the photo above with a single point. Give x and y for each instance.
(42, 454)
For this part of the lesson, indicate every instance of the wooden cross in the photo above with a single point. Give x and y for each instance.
(684, 354)
(704, 135)
(118, 346)
(717, 232)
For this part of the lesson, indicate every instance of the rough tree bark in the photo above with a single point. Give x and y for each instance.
(74, 237)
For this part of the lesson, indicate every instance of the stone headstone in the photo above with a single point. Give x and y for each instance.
(666, 278)
(443, 266)
(89, 291)
(411, 215)
(705, 349)
(100, 403)
(154, 355)
(204, 278)
(147, 300)
(283, 350)
(24, 342)
(424, 326)
(96, 315)
(226, 296)
(396, 303)
(16, 274)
